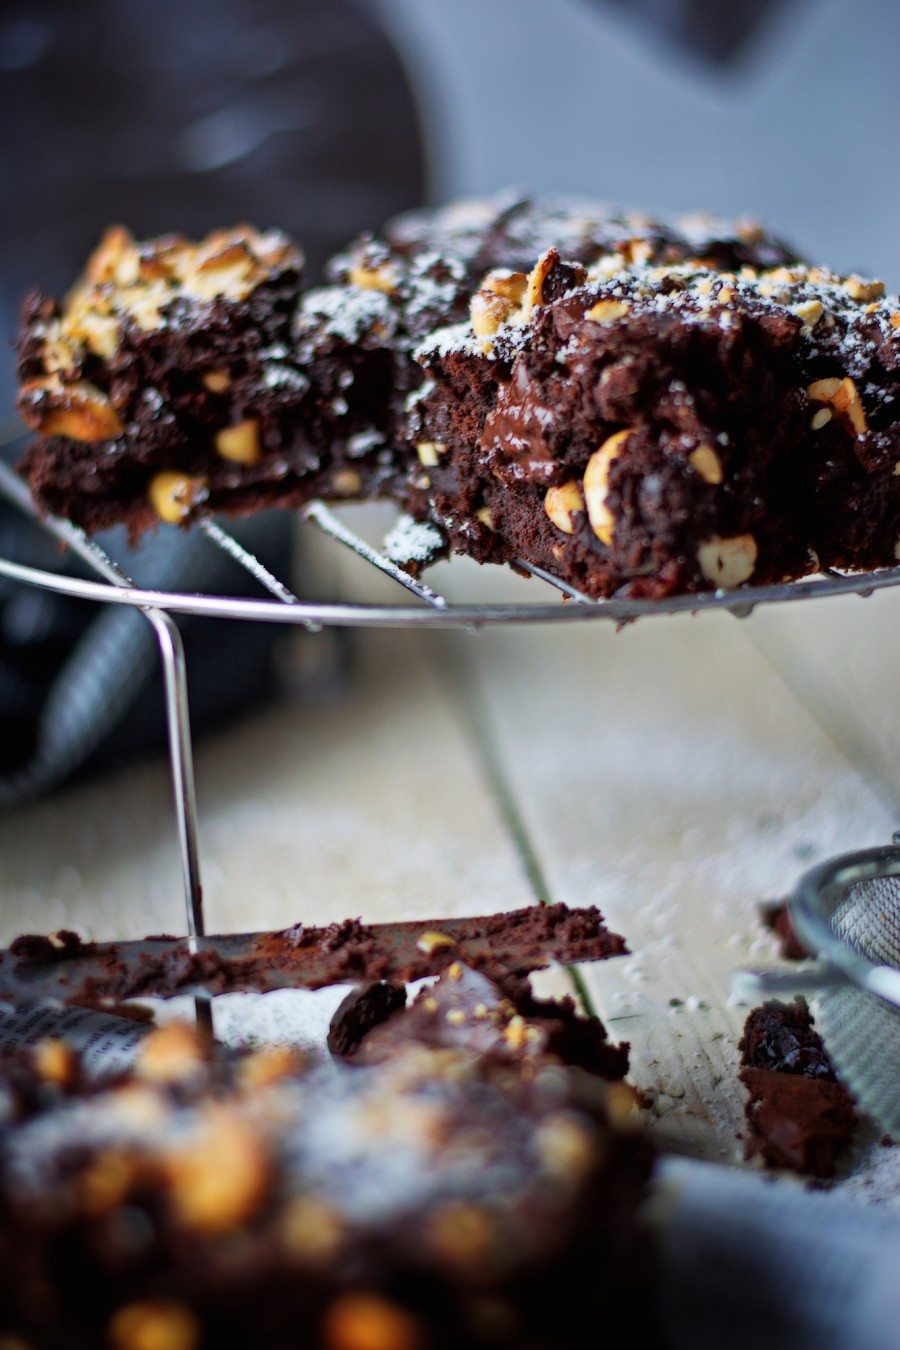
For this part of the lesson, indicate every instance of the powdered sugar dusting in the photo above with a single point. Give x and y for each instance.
(413, 541)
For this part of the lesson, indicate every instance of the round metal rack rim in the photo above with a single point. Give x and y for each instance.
(348, 615)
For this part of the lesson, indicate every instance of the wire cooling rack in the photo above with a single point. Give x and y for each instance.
(425, 608)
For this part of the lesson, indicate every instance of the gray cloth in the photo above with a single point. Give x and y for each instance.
(80, 687)
(751, 1263)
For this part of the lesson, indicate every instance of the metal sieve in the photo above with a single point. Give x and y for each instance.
(846, 913)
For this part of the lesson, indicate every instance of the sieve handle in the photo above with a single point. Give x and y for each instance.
(749, 985)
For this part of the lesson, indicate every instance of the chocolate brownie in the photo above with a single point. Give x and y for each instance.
(645, 429)
(179, 380)
(440, 1200)
(357, 337)
(798, 1114)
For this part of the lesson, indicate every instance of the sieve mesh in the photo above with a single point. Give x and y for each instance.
(859, 1014)
(868, 919)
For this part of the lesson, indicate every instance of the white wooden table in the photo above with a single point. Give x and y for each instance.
(676, 774)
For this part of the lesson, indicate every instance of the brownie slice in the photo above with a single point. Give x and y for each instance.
(179, 380)
(389, 293)
(798, 1114)
(643, 430)
(163, 387)
(440, 1199)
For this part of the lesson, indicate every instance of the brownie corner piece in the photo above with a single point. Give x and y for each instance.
(159, 385)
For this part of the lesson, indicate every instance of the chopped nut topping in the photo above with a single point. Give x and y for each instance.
(79, 410)
(810, 312)
(367, 1322)
(621, 1107)
(311, 1230)
(534, 291)
(430, 452)
(488, 311)
(707, 464)
(220, 1179)
(750, 231)
(859, 289)
(842, 396)
(566, 1149)
(821, 419)
(108, 261)
(510, 286)
(55, 1061)
(138, 1104)
(174, 495)
(561, 503)
(635, 250)
(510, 297)
(381, 278)
(607, 311)
(128, 282)
(728, 562)
(269, 1065)
(217, 381)
(107, 1181)
(158, 1325)
(434, 941)
(240, 443)
(596, 485)
(125, 279)
(346, 482)
(515, 1033)
(484, 515)
(171, 1054)
(463, 1236)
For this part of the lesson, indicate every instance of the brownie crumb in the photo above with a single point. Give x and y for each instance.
(490, 1013)
(362, 1010)
(776, 916)
(53, 947)
(798, 1115)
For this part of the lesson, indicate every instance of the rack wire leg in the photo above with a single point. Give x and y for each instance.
(181, 760)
